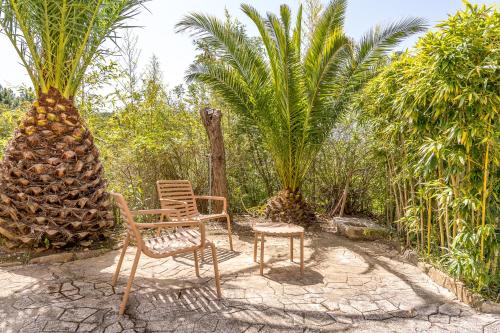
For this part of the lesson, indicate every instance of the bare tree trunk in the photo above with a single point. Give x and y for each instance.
(211, 119)
(344, 195)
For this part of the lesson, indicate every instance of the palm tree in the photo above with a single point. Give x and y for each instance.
(51, 185)
(293, 96)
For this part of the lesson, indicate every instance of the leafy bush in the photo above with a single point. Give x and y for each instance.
(436, 114)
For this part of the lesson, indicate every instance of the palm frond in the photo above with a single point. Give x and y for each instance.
(377, 42)
(234, 47)
(225, 81)
(58, 40)
(293, 100)
(331, 21)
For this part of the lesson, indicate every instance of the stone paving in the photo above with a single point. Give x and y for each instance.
(347, 286)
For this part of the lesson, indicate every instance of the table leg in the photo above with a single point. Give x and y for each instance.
(262, 254)
(302, 254)
(255, 247)
(291, 248)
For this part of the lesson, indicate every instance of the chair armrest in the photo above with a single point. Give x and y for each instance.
(209, 197)
(177, 202)
(213, 197)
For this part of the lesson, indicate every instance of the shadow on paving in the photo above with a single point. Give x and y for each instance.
(222, 256)
(77, 296)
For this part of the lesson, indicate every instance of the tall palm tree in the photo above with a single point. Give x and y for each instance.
(293, 96)
(51, 185)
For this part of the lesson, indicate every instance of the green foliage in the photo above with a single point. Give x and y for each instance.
(436, 114)
(348, 161)
(10, 99)
(293, 97)
(58, 40)
(9, 118)
(148, 139)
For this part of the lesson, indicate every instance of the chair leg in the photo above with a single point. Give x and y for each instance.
(262, 254)
(216, 269)
(229, 232)
(255, 248)
(291, 248)
(129, 282)
(196, 266)
(120, 261)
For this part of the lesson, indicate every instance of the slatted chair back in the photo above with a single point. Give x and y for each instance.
(179, 195)
(126, 215)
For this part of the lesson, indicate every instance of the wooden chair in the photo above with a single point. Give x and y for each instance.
(179, 195)
(180, 240)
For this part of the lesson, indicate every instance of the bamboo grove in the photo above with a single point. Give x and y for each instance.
(436, 114)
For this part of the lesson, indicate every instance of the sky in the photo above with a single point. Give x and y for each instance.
(156, 34)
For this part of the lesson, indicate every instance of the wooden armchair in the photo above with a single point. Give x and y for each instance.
(179, 195)
(180, 240)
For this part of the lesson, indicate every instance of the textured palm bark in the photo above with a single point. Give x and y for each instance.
(212, 122)
(290, 207)
(52, 189)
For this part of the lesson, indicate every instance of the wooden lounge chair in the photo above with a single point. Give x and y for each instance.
(179, 195)
(177, 241)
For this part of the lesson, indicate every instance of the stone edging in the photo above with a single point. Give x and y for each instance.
(458, 288)
(68, 256)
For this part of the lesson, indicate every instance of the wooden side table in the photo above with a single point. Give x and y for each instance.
(279, 230)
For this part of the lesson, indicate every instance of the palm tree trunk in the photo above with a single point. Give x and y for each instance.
(289, 206)
(53, 191)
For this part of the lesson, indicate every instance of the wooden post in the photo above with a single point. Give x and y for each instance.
(211, 119)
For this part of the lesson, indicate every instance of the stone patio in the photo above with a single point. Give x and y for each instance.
(347, 286)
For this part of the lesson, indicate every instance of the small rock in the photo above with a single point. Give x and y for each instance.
(10, 264)
(53, 258)
(490, 307)
(359, 229)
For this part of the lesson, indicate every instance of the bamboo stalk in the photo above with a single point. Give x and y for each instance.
(429, 217)
(484, 197)
(440, 224)
(446, 224)
(422, 236)
(456, 212)
(439, 208)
